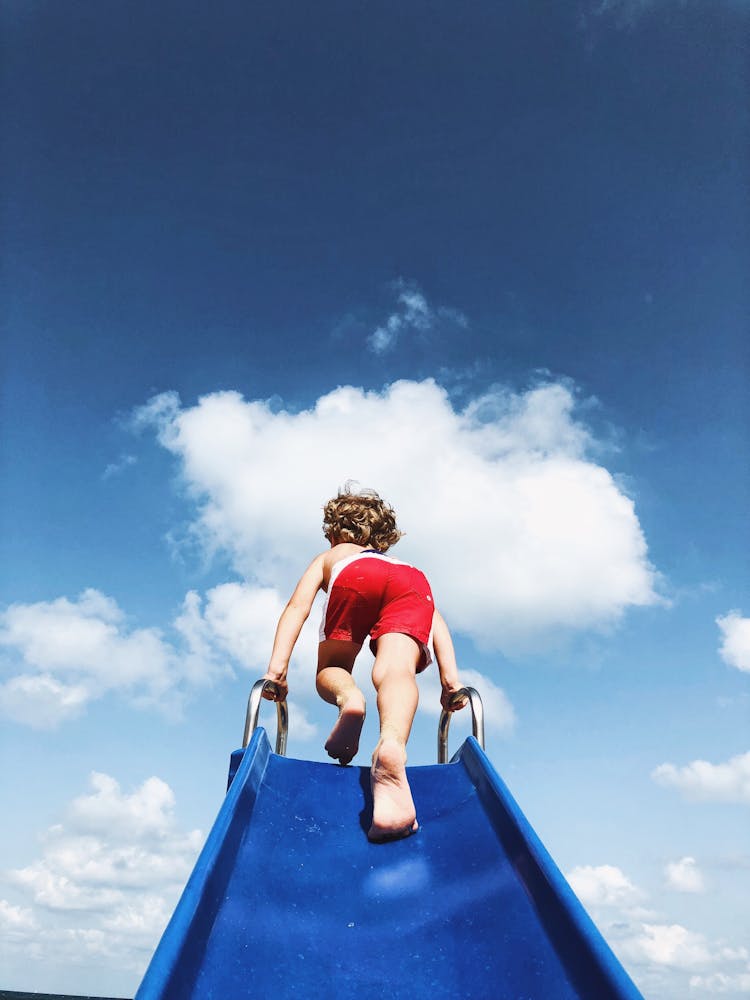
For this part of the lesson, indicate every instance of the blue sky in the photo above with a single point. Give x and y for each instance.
(487, 259)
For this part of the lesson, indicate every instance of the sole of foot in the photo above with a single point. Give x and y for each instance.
(379, 837)
(393, 813)
(343, 743)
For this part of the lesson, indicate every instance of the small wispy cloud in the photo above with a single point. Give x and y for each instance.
(116, 468)
(106, 881)
(622, 15)
(597, 19)
(626, 15)
(412, 312)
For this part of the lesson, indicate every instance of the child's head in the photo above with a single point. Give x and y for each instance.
(360, 517)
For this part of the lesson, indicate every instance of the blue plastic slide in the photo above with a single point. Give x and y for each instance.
(289, 899)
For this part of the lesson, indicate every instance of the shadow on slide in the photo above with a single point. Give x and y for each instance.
(289, 899)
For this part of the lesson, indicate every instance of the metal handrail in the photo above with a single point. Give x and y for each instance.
(477, 721)
(253, 711)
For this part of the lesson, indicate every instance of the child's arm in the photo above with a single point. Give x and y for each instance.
(293, 617)
(446, 661)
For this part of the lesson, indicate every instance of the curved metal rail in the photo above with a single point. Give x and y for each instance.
(477, 721)
(253, 711)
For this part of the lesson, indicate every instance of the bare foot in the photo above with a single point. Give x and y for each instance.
(393, 812)
(343, 743)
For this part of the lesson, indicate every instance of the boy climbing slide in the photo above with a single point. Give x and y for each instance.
(369, 593)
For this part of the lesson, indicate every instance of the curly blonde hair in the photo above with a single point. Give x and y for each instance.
(361, 517)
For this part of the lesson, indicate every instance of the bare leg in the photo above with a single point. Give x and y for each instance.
(393, 813)
(336, 685)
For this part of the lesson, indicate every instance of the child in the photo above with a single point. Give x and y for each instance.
(369, 593)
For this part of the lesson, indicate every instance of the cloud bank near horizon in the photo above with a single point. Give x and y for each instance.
(522, 533)
(670, 960)
(105, 883)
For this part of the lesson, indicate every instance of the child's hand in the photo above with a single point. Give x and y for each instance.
(451, 688)
(281, 684)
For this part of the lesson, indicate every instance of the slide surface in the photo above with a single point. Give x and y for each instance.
(289, 899)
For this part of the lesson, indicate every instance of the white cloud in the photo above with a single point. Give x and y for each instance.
(735, 644)
(71, 652)
(299, 723)
(684, 875)
(668, 944)
(241, 619)
(498, 711)
(703, 781)
(603, 885)
(722, 982)
(676, 947)
(15, 918)
(41, 701)
(107, 879)
(199, 663)
(414, 313)
(145, 813)
(520, 532)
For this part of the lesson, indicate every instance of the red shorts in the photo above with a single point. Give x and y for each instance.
(372, 594)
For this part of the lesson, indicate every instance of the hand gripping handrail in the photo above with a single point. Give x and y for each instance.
(477, 721)
(253, 711)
